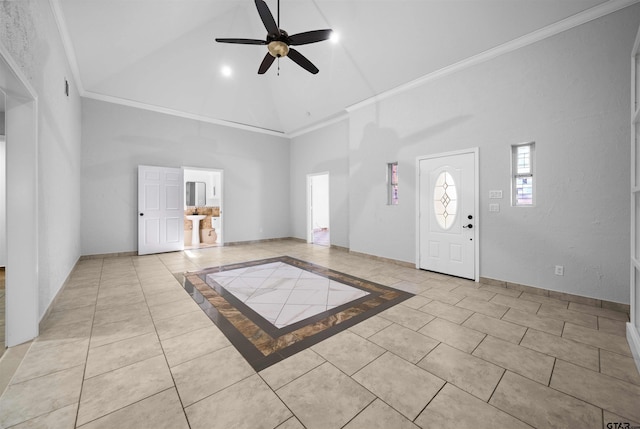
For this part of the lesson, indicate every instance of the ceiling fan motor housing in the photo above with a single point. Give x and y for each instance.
(278, 46)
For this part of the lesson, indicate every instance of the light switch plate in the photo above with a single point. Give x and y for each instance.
(494, 208)
(497, 194)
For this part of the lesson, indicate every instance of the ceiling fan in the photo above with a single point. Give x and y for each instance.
(278, 41)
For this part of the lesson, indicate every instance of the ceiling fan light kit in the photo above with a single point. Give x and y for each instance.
(278, 41)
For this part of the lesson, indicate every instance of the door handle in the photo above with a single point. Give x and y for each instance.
(468, 226)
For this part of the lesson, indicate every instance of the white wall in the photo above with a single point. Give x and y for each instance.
(569, 94)
(323, 150)
(30, 35)
(116, 139)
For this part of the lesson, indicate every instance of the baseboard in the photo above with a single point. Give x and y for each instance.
(633, 338)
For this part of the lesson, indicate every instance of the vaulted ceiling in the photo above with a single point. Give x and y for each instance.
(161, 54)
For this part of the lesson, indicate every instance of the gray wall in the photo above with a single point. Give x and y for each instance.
(323, 150)
(568, 93)
(116, 139)
(30, 35)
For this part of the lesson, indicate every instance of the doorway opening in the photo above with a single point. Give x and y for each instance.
(203, 208)
(318, 209)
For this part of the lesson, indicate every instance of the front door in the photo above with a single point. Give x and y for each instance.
(447, 215)
(160, 209)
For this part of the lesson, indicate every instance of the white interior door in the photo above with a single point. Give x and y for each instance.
(447, 221)
(160, 209)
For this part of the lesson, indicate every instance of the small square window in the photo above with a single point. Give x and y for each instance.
(522, 181)
(392, 183)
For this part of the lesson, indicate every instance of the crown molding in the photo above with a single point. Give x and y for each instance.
(67, 45)
(528, 39)
(318, 125)
(181, 114)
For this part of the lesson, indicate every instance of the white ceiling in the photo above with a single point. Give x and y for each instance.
(162, 53)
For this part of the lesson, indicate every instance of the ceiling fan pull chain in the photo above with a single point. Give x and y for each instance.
(278, 61)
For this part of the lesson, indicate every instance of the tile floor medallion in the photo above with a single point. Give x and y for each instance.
(273, 308)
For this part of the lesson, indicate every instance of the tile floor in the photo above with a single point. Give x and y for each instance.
(126, 347)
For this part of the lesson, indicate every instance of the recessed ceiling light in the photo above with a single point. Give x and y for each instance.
(335, 37)
(226, 71)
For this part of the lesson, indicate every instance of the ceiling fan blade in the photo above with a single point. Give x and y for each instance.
(309, 37)
(266, 63)
(302, 61)
(243, 41)
(267, 18)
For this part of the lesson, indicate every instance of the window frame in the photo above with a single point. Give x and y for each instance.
(515, 175)
(392, 185)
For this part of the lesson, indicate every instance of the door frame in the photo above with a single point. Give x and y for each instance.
(21, 122)
(310, 177)
(476, 177)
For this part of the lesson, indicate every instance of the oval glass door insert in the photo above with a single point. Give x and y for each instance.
(445, 200)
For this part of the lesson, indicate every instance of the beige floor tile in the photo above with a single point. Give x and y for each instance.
(55, 335)
(404, 386)
(498, 328)
(325, 398)
(599, 311)
(117, 331)
(543, 407)
(208, 374)
(292, 423)
(76, 315)
(160, 411)
(446, 311)
(609, 393)
(39, 396)
(521, 360)
(575, 317)
(348, 351)
(612, 421)
(416, 302)
(453, 406)
(503, 291)
(408, 317)
(517, 303)
(176, 293)
(484, 307)
(11, 360)
(38, 362)
(471, 374)
(550, 326)
(370, 326)
(117, 314)
(112, 301)
(291, 368)
(443, 296)
(231, 409)
(404, 342)
(113, 390)
(174, 308)
(474, 292)
(379, 415)
(562, 348)
(544, 300)
(619, 366)
(603, 340)
(611, 326)
(190, 345)
(465, 339)
(181, 324)
(62, 418)
(122, 353)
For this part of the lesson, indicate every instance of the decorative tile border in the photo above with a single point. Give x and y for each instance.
(261, 343)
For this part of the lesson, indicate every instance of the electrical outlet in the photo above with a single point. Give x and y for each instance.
(559, 270)
(494, 207)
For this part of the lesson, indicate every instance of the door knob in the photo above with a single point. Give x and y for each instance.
(141, 214)
(468, 226)
(469, 217)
